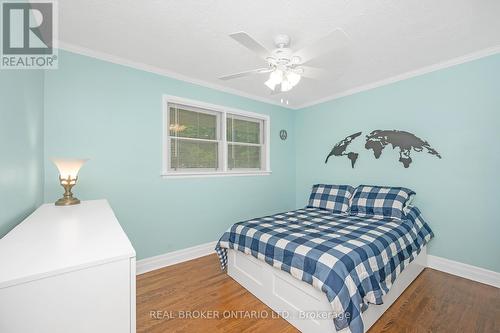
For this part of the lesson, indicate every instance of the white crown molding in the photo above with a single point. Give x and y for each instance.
(400, 77)
(159, 71)
(175, 257)
(463, 270)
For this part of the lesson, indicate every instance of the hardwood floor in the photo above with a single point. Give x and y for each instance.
(434, 302)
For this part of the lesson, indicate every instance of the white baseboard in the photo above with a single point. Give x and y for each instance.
(175, 257)
(464, 270)
(441, 264)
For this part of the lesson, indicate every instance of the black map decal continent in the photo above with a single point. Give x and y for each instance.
(340, 149)
(377, 140)
(404, 141)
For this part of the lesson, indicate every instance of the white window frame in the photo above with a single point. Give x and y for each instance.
(222, 112)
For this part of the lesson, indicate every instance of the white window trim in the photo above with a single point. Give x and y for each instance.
(223, 110)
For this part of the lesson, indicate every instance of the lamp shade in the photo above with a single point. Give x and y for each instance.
(69, 167)
(293, 78)
(270, 84)
(286, 85)
(275, 78)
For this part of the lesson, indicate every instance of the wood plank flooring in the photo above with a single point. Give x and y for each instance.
(434, 302)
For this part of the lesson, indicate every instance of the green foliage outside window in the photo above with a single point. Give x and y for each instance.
(188, 131)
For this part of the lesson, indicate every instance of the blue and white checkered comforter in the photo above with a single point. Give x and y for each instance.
(353, 260)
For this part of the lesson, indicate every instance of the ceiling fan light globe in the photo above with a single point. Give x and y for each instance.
(293, 78)
(286, 85)
(276, 76)
(270, 84)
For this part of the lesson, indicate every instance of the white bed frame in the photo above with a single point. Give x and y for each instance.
(292, 298)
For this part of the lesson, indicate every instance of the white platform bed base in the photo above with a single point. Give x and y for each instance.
(295, 300)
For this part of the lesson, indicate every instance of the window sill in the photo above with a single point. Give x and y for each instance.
(215, 174)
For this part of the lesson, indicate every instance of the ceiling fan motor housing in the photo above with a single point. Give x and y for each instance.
(283, 55)
(282, 40)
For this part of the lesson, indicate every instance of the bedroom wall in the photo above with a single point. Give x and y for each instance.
(21, 145)
(113, 115)
(457, 111)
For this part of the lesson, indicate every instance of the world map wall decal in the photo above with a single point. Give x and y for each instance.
(379, 139)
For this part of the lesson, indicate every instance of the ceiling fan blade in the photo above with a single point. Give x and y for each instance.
(338, 39)
(244, 39)
(313, 72)
(245, 73)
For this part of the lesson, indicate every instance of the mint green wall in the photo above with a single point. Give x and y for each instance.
(113, 115)
(458, 111)
(21, 140)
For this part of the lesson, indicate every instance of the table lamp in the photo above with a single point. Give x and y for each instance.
(68, 176)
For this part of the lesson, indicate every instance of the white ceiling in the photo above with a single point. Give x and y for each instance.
(190, 38)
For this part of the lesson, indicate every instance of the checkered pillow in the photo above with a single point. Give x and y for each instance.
(331, 197)
(379, 201)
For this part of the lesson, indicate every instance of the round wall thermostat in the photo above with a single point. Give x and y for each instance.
(283, 135)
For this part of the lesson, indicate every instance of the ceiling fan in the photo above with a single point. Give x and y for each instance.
(285, 66)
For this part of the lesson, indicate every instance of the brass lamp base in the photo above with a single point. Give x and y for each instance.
(67, 201)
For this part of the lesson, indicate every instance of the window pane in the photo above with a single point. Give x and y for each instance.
(190, 154)
(191, 124)
(239, 130)
(243, 157)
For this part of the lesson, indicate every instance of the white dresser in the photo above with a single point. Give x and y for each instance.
(67, 269)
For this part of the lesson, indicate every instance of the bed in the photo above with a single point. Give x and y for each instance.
(326, 272)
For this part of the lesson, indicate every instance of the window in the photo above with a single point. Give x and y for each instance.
(244, 142)
(202, 139)
(194, 138)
